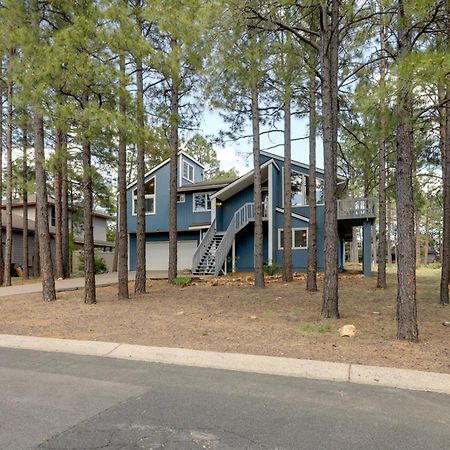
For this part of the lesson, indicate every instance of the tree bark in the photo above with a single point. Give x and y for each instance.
(329, 58)
(9, 173)
(445, 150)
(406, 262)
(122, 231)
(45, 255)
(59, 264)
(25, 252)
(89, 267)
(141, 272)
(65, 211)
(174, 119)
(388, 233)
(426, 243)
(311, 277)
(1, 174)
(381, 274)
(257, 192)
(287, 225)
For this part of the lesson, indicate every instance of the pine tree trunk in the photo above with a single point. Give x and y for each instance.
(328, 60)
(25, 273)
(36, 263)
(426, 243)
(406, 263)
(1, 175)
(122, 230)
(116, 241)
(311, 279)
(388, 233)
(59, 264)
(257, 192)
(174, 116)
(9, 174)
(45, 256)
(381, 274)
(445, 151)
(287, 226)
(141, 271)
(417, 226)
(65, 211)
(89, 267)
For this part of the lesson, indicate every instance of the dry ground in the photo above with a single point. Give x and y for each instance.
(281, 320)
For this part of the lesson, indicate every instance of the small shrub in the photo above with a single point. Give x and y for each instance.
(99, 264)
(271, 269)
(433, 265)
(312, 327)
(182, 281)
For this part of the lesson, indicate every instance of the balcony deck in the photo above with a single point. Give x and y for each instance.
(357, 208)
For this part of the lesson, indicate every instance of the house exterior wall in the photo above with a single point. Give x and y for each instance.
(100, 225)
(159, 221)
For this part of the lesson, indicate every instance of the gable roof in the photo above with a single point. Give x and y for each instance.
(242, 182)
(166, 161)
(207, 184)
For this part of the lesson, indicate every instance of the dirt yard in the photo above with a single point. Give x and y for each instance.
(229, 315)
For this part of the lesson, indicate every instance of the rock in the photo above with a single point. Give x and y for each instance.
(179, 313)
(252, 317)
(446, 324)
(249, 279)
(214, 283)
(347, 331)
(376, 312)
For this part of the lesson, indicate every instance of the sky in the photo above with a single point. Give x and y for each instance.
(237, 154)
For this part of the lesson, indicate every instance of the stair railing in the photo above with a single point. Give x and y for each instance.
(204, 245)
(225, 245)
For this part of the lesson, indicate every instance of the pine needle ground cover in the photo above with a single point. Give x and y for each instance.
(229, 315)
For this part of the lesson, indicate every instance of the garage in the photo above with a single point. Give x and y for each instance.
(157, 255)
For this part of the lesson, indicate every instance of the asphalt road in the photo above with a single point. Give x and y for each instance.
(61, 401)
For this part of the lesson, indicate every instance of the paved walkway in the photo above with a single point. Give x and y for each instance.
(73, 283)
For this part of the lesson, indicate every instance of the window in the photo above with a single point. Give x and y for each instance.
(149, 189)
(299, 238)
(53, 216)
(300, 189)
(201, 202)
(188, 171)
(181, 198)
(319, 191)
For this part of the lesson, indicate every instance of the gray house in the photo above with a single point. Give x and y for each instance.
(100, 222)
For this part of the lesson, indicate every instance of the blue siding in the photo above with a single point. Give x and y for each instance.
(159, 222)
(231, 205)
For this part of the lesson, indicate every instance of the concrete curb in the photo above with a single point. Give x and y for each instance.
(270, 365)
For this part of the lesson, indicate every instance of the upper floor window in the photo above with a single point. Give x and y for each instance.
(149, 188)
(188, 171)
(300, 189)
(53, 216)
(299, 238)
(201, 202)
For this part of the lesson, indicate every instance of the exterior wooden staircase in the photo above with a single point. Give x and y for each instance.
(212, 252)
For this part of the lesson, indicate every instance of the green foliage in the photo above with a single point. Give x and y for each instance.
(315, 328)
(99, 264)
(182, 281)
(271, 269)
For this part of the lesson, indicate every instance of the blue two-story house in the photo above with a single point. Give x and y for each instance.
(215, 218)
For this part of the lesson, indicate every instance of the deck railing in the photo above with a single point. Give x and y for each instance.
(357, 208)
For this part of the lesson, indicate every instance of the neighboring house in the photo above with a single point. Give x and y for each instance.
(216, 218)
(100, 222)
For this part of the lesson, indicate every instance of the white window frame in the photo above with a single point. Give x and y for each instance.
(193, 202)
(190, 166)
(181, 198)
(147, 196)
(280, 244)
(305, 175)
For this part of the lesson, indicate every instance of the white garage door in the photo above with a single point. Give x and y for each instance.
(157, 255)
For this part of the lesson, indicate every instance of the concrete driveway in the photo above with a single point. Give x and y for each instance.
(74, 283)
